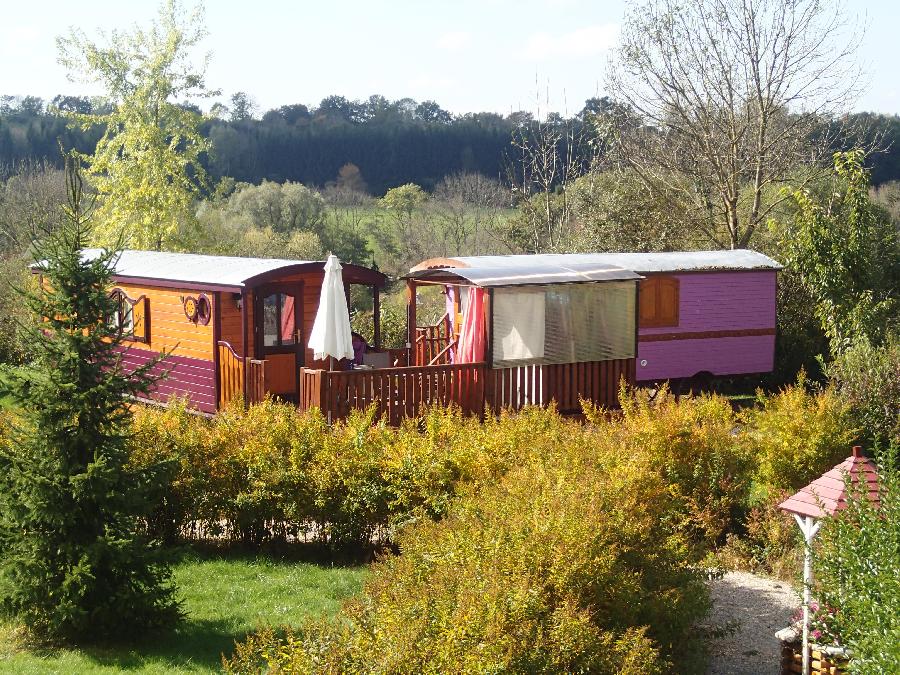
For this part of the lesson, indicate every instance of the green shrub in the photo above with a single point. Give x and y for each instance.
(857, 583)
(691, 441)
(795, 435)
(173, 435)
(770, 541)
(571, 562)
(868, 379)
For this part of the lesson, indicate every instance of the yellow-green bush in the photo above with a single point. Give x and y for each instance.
(177, 437)
(272, 471)
(570, 562)
(691, 441)
(795, 435)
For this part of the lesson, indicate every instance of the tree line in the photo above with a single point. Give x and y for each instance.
(392, 143)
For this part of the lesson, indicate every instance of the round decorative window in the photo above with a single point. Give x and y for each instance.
(204, 310)
(191, 307)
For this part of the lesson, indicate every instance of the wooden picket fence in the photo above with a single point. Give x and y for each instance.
(473, 387)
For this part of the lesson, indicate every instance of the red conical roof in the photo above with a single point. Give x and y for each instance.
(828, 494)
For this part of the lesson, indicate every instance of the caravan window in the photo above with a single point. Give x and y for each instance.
(130, 317)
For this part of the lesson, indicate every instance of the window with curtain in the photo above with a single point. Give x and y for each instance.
(278, 320)
(563, 323)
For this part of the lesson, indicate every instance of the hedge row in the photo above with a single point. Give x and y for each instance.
(273, 472)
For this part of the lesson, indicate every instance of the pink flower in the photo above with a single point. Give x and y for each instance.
(814, 606)
(816, 634)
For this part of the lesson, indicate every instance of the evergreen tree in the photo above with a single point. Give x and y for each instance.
(75, 561)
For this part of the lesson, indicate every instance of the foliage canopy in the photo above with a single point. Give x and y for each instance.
(147, 165)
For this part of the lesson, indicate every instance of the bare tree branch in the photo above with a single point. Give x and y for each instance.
(726, 98)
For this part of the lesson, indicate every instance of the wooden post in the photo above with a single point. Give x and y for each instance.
(376, 315)
(411, 322)
(217, 335)
(488, 372)
(809, 527)
(489, 323)
(245, 340)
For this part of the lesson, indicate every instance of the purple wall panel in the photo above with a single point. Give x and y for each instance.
(719, 301)
(194, 378)
(723, 301)
(669, 359)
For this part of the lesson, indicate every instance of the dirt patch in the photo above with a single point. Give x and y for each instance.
(747, 611)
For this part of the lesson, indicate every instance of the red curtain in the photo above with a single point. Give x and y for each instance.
(471, 335)
(287, 318)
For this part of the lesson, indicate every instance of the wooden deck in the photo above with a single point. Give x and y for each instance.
(474, 387)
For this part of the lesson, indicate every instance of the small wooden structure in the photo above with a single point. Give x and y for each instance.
(825, 496)
(700, 312)
(560, 332)
(232, 325)
(820, 661)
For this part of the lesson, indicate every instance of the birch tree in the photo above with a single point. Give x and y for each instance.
(146, 167)
(720, 102)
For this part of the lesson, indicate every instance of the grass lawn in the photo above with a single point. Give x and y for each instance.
(224, 598)
(5, 399)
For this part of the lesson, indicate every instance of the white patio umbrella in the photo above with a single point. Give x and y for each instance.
(330, 335)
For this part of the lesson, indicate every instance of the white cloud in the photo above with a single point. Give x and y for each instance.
(454, 40)
(587, 41)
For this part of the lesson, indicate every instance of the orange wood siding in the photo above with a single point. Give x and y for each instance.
(169, 327)
(231, 329)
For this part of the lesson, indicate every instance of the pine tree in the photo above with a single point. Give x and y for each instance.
(75, 561)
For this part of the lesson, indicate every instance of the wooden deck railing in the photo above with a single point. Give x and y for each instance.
(565, 383)
(256, 380)
(433, 343)
(233, 369)
(402, 392)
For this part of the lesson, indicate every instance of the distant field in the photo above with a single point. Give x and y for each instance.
(224, 597)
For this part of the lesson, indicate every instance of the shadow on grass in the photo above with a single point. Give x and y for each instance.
(313, 553)
(193, 643)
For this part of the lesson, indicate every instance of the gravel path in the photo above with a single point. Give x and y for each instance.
(756, 607)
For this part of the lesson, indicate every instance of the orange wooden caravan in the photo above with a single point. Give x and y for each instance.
(232, 325)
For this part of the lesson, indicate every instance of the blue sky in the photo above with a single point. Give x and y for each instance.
(468, 55)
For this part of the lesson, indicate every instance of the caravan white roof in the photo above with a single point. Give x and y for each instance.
(219, 271)
(193, 268)
(676, 261)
